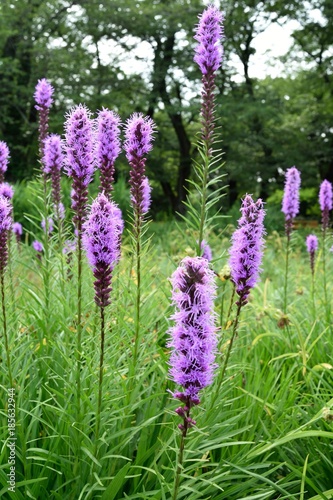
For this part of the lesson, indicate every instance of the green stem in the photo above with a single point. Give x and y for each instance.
(230, 306)
(79, 320)
(226, 359)
(138, 292)
(203, 198)
(286, 276)
(181, 454)
(100, 383)
(327, 305)
(4, 317)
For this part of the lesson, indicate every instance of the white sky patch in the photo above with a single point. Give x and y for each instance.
(271, 44)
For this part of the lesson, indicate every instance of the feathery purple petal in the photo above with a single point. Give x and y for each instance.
(193, 337)
(209, 33)
(247, 244)
(101, 240)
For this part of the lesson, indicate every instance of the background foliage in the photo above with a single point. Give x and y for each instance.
(138, 56)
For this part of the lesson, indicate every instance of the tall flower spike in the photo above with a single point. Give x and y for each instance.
(101, 240)
(53, 161)
(43, 97)
(290, 202)
(209, 33)
(108, 147)
(4, 159)
(18, 231)
(208, 55)
(312, 246)
(193, 337)
(325, 201)
(139, 136)
(79, 160)
(246, 250)
(5, 226)
(6, 190)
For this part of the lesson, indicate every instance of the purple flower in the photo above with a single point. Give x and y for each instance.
(43, 94)
(206, 251)
(69, 247)
(145, 196)
(17, 229)
(4, 159)
(108, 147)
(49, 223)
(139, 136)
(246, 249)
(325, 201)
(290, 202)
(101, 240)
(6, 190)
(79, 163)
(208, 53)
(43, 98)
(193, 337)
(53, 161)
(37, 245)
(312, 246)
(5, 226)
(60, 211)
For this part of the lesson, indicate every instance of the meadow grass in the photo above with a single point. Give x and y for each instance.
(266, 434)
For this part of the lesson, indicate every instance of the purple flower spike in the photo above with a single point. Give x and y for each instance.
(208, 55)
(49, 223)
(139, 136)
(108, 147)
(146, 196)
(79, 162)
(209, 52)
(325, 201)
(193, 337)
(37, 245)
(246, 249)
(290, 202)
(43, 98)
(312, 246)
(53, 161)
(101, 240)
(17, 229)
(5, 226)
(43, 94)
(6, 190)
(206, 251)
(4, 159)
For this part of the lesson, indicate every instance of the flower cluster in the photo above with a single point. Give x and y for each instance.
(312, 246)
(108, 147)
(53, 162)
(246, 250)
(4, 158)
(6, 190)
(208, 55)
(209, 52)
(290, 202)
(79, 161)
(326, 202)
(139, 136)
(43, 97)
(101, 240)
(193, 337)
(43, 94)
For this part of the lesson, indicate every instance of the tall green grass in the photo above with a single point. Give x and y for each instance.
(267, 435)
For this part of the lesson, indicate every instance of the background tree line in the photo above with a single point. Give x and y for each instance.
(87, 48)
